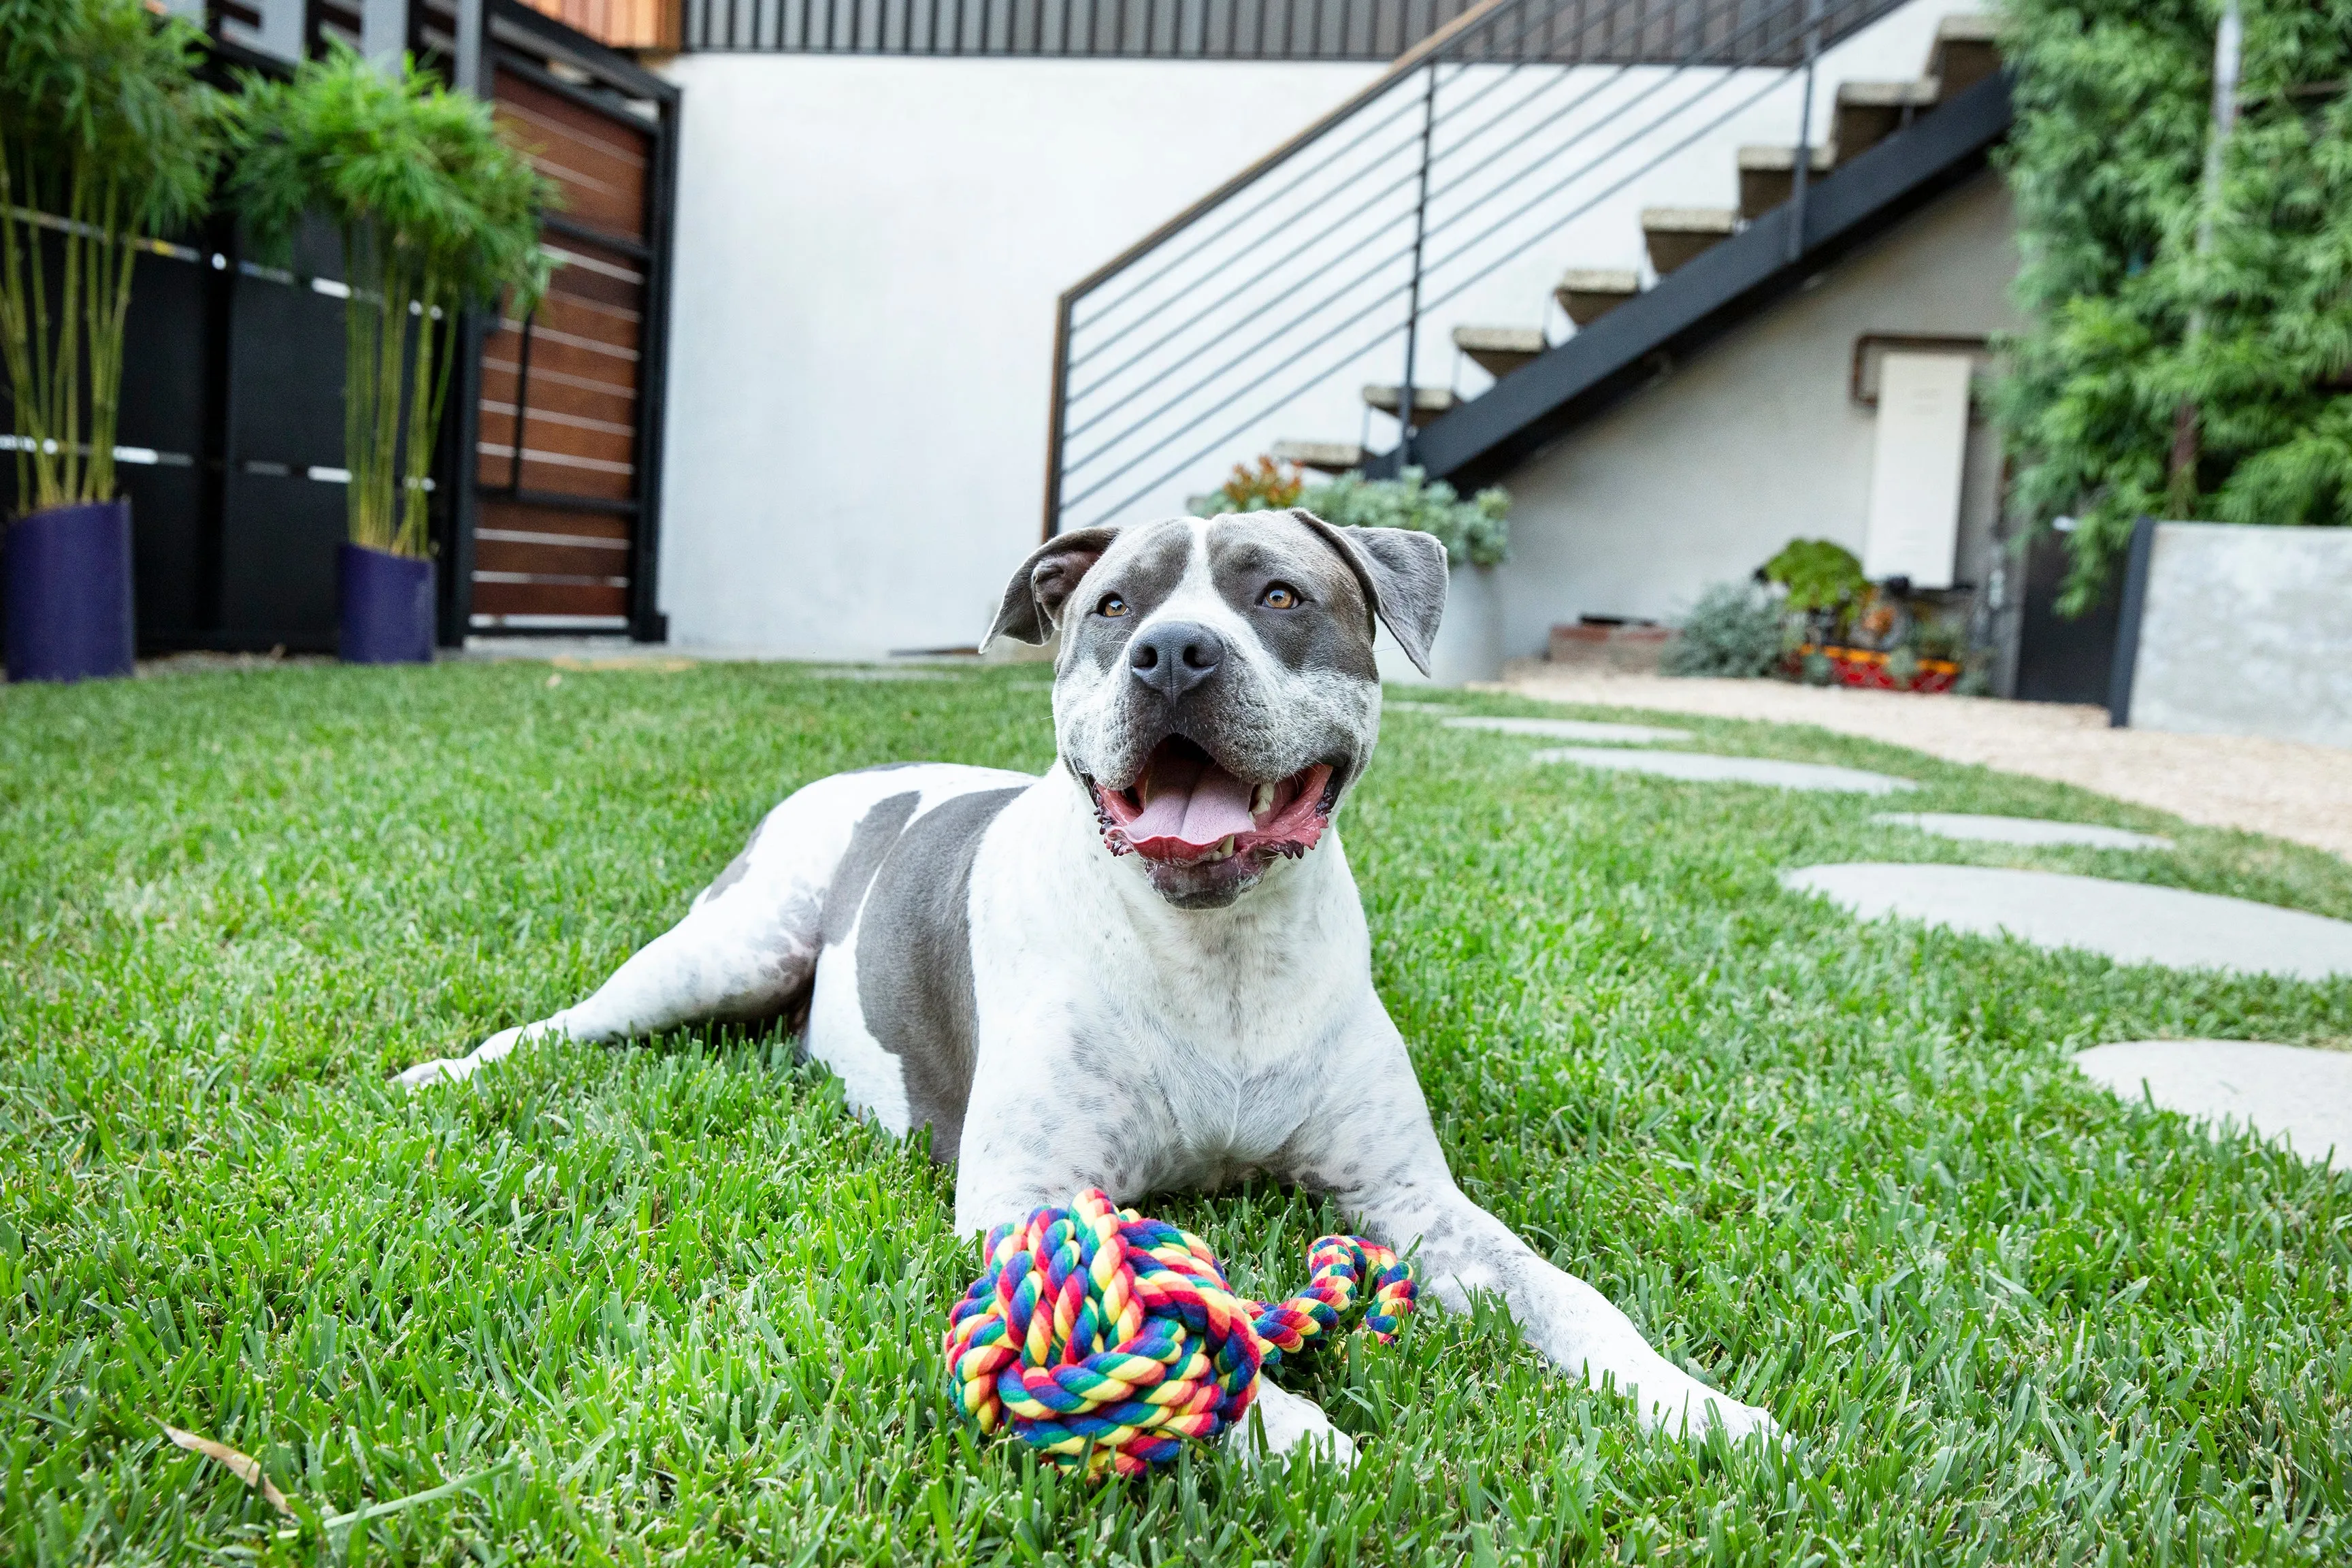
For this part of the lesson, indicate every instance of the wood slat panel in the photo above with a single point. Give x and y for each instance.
(621, 24)
(557, 437)
(570, 477)
(590, 558)
(562, 394)
(496, 598)
(523, 516)
(596, 323)
(599, 163)
(569, 354)
(582, 273)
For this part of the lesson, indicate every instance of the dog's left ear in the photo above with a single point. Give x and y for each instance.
(1033, 600)
(1402, 571)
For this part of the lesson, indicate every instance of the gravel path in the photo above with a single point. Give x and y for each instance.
(2282, 787)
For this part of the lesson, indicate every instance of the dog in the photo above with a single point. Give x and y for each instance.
(1148, 969)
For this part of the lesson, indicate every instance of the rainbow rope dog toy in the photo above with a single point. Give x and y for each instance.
(1103, 1338)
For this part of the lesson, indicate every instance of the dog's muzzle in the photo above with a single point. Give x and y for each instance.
(1186, 808)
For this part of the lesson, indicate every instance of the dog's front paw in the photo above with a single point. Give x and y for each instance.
(1737, 1420)
(1283, 1422)
(451, 1069)
(1692, 1412)
(456, 1069)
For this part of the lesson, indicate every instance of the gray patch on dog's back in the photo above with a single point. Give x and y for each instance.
(735, 867)
(888, 768)
(870, 841)
(914, 961)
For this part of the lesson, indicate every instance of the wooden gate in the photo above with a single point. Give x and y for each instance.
(559, 530)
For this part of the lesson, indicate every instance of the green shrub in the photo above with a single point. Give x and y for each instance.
(1734, 629)
(103, 126)
(1818, 574)
(2131, 325)
(436, 213)
(1476, 531)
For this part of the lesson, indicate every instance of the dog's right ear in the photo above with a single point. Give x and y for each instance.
(1033, 600)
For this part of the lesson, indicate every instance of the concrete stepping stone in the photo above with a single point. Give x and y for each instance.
(1705, 767)
(2128, 922)
(2298, 1095)
(2019, 830)
(1571, 730)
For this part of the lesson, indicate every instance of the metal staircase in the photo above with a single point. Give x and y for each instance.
(1324, 264)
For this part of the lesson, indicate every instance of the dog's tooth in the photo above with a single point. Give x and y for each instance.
(1261, 799)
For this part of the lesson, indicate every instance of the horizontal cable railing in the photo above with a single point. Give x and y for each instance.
(1330, 256)
(1377, 30)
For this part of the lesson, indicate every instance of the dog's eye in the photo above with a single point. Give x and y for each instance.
(1279, 596)
(1111, 605)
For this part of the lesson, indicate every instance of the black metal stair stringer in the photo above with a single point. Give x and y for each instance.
(1480, 441)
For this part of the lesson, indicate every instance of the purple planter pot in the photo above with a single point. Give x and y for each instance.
(387, 606)
(68, 593)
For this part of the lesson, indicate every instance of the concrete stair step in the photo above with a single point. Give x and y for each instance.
(1868, 112)
(1676, 235)
(1965, 51)
(1588, 293)
(1323, 457)
(1499, 351)
(1425, 399)
(1767, 176)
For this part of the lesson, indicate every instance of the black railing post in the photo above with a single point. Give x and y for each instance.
(1412, 303)
(1057, 419)
(1800, 173)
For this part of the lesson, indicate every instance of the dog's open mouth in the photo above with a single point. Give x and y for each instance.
(1186, 809)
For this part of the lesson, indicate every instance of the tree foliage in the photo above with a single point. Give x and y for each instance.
(108, 140)
(2131, 324)
(436, 213)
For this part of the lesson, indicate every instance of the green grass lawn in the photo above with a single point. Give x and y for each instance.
(669, 1304)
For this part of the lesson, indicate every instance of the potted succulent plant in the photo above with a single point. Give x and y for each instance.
(436, 213)
(107, 140)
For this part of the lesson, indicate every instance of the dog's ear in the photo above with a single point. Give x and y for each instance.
(1033, 600)
(1402, 571)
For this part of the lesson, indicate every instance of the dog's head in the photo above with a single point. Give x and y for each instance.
(1216, 693)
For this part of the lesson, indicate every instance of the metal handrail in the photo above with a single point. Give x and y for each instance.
(1195, 283)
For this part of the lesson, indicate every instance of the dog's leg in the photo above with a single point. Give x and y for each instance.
(709, 968)
(744, 952)
(1460, 1248)
(1375, 1151)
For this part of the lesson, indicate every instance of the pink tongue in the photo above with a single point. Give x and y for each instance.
(1197, 814)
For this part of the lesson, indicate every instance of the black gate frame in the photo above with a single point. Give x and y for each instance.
(605, 81)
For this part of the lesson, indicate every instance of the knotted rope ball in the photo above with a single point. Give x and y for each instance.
(1105, 1339)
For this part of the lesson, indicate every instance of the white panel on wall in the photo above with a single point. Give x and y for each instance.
(1915, 471)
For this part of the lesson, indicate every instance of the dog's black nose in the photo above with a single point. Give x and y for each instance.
(1175, 657)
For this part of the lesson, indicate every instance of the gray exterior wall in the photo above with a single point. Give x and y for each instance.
(2247, 631)
(1701, 477)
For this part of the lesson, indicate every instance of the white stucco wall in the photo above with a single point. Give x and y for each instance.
(1700, 477)
(868, 253)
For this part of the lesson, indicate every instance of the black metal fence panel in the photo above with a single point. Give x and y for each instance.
(1589, 32)
(231, 434)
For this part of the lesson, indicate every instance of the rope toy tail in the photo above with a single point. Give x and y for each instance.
(1103, 1339)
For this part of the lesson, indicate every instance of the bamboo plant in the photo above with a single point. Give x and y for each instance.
(436, 213)
(108, 140)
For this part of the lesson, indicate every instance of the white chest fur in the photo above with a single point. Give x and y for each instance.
(1206, 1033)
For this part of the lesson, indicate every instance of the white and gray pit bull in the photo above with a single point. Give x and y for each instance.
(1148, 969)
